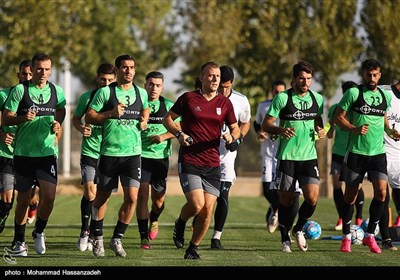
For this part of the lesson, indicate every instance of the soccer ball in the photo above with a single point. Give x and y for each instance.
(357, 234)
(312, 230)
(364, 226)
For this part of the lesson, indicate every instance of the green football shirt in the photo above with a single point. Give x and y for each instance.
(121, 137)
(302, 146)
(35, 138)
(372, 143)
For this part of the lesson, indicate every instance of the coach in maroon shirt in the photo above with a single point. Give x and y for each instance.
(204, 112)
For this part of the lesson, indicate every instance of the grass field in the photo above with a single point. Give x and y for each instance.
(246, 240)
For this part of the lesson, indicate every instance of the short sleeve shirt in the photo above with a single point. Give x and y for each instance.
(90, 145)
(155, 127)
(341, 136)
(35, 138)
(302, 146)
(203, 119)
(121, 137)
(371, 143)
(6, 150)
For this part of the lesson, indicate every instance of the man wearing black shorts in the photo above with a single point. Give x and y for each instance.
(362, 112)
(122, 109)
(37, 108)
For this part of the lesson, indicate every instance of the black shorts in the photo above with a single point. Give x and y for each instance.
(89, 169)
(200, 177)
(6, 165)
(336, 164)
(355, 167)
(155, 171)
(28, 170)
(127, 169)
(290, 172)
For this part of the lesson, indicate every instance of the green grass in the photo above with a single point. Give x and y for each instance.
(247, 242)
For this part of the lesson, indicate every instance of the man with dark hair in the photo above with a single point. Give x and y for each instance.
(228, 153)
(90, 152)
(338, 152)
(268, 150)
(7, 134)
(204, 112)
(367, 106)
(122, 108)
(37, 108)
(156, 150)
(392, 147)
(299, 110)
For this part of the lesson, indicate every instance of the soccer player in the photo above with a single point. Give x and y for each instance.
(38, 109)
(228, 153)
(338, 152)
(299, 110)
(90, 151)
(203, 112)
(122, 108)
(7, 135)
(156, 150)
(367, 106)
(392, 147)
(268, 150)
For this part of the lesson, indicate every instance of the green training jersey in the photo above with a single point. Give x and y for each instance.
(341, 136)
(36, 138)
(151, 150)
(366, 108)
(6, 150)
(121, 136)
(90, 145)
(299, 113)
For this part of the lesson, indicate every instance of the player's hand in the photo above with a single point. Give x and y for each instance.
(7, 138)
(143, 123)
(320, 132)
(87, 130)
(288, 132)
(56, 126)
(233, 146)
(30, 115)
(262, 135)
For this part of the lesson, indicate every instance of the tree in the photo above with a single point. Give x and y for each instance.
(380, 19)
(210, 30)
(333, 48)
(86, 33)
(332, 45)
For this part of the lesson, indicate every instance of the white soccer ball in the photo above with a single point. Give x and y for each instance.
(312, 230)
(357, 234)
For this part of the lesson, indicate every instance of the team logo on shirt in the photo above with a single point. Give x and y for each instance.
(219, 111)
(34, 108)
(299, 115)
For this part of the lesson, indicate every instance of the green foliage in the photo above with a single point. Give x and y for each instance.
(380, 19)
(332, 46)
(86, 33)
(263, 39)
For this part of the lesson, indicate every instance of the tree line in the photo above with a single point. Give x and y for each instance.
(260, 39)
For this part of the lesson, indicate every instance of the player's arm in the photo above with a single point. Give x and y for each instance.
(144, 118)
(269, 126)
(244, 128)
(391, 132)
(10, 118)
(319, 127)
(94, 117)
(331, 130)
(341, 120)
(175, 128)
